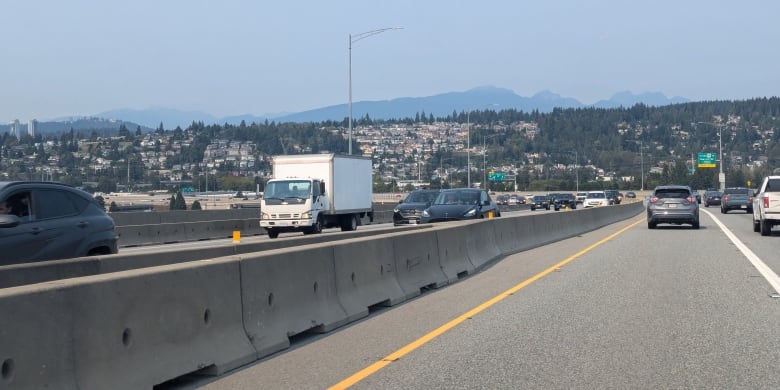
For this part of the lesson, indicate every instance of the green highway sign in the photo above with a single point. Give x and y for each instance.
(496, 176)
(707, 160)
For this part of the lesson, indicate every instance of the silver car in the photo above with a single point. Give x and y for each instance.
(672, 204)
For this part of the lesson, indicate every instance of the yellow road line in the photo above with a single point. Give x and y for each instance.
(376, 366)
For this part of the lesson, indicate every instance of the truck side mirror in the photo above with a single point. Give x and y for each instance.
(322, 188)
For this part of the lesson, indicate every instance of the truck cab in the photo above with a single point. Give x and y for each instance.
(293, 204)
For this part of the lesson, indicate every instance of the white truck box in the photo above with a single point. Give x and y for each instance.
(331, 190)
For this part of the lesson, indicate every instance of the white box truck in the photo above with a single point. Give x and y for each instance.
(309, 192)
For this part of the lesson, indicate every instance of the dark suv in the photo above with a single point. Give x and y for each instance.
(672, 204)
(737, 198)
(563, 201)
(540, 201)
(613, 196)
(48, 221)
(409, 210)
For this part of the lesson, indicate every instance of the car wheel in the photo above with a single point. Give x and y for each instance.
(695, 225)
(722, 210)
(749, 211)
(756, 225)
(650, 225)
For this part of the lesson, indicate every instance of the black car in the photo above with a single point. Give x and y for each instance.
(540, 201)
(50, 221)
(631, 195)
(613, 196)
(563, 201)
(409, 210)
(712, 198)
(503, 199)
(672, 204)
(460, 204)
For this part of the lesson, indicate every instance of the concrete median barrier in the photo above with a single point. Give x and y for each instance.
(128, 330)
(289, 291)
(366, 275)
(453, 252)
(481, 243)
(417, 261)
(36, 350)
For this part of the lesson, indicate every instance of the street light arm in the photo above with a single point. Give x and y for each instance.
(363, 35)
(353, 39)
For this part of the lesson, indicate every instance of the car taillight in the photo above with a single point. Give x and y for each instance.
(725, 198)
(691, 199)
(750, 199)
(766, 201)
(653, 199)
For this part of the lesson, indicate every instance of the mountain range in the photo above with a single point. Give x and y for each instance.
(480, 98)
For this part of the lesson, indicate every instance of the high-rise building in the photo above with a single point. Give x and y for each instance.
(15, 128)
(32, 127)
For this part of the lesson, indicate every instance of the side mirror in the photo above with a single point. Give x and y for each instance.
(9, 221)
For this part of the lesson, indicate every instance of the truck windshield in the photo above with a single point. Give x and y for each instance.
(287, 189)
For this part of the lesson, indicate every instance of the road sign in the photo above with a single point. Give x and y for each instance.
(496, 176)
(707, 160)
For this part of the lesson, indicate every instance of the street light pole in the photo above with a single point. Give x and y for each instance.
(468, 149)
(484, 162)
(721, 177)
(353, 39)
(577, 171)
(642, 165)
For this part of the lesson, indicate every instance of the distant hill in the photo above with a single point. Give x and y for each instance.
(480, 98)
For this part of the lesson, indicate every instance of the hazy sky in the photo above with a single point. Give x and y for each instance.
(82, 57)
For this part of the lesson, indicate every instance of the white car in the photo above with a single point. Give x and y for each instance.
(596, 199)
(581, 197)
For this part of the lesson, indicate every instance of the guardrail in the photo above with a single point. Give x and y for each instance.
(137, 328)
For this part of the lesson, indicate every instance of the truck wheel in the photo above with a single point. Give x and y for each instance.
(756, 225)
(273, 234)
(348, 223)
(766, 228)
(317, 227)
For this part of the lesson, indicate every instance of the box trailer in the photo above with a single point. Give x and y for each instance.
(310, 192)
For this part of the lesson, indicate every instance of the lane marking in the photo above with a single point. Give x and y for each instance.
(376, 366)
(762, 268)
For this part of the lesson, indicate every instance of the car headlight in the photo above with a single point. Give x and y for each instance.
(470, 213)
(395, 210)
(306, 215)
(264, 216)
(425, 213)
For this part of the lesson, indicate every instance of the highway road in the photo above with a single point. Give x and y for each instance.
(619, 307)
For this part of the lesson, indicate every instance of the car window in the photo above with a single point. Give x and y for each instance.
(19, 204)
(672, 194)
(54, 204)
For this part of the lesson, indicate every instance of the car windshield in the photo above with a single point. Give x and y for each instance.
(596, 195)
(421, 197)
(457, 198)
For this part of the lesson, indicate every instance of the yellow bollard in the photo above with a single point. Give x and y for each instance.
(236, 236)
(490, 214)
